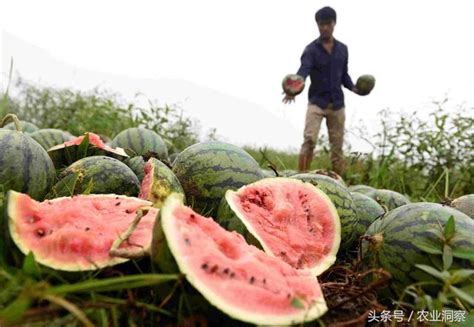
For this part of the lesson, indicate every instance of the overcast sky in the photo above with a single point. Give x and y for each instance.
(418, 51)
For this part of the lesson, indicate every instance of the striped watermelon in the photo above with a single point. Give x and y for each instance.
(389, 198)
(24, 165)
(50, 137)
(137, 165)
(367, 210)
(364, 189)
(97, 175)
(342, 199)
(392, 241)
(141, 141)
(26, 127)
(207, 170)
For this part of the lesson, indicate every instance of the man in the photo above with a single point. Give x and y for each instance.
(325, 61)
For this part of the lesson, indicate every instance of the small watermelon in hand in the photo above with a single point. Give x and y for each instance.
(293, 84)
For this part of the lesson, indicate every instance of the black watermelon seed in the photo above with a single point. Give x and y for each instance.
(40, 232)
(117, 204)
(186, 240)
(226, 270)
(214, 268)
(232, 275)
(128, 211)
(252, 279)
(87, 229)
(264, 281)
(204, 266)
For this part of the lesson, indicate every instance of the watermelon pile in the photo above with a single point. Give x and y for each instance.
(251, 245)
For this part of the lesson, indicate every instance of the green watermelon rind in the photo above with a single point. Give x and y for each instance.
(231, 195)
(166, 220)
(11, 208)
(141, 141)
(398, 232)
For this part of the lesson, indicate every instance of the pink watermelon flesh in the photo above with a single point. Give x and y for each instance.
(94, 140)
(147, 181)
(293, 220)
(238, 278)
(76, 233)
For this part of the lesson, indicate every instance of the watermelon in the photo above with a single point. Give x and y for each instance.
(26, 127)
(290, 219)
(395, 242)
(365, 84)
(50, 137)
(137, 165)
(389, 198)
(293, 84)
(367, 210)
(207, 170)
(331, 174)
(342, 199)
(364, 189)
(97, 175)
(465, 204)
(142, 142)
(76, 233)
(158, 183)
(86, 145)
(24, 165)
(240, 280)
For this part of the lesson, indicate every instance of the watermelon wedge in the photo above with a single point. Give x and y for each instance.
(239, 279)
(76, 233)
(291, 219)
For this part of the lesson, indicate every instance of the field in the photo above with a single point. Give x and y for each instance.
(425, 160)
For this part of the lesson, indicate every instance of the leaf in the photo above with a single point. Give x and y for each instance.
(447, 257)
(462, 295)
(461, 275)
(429, 247)
(449, 228)
(15, 310)
(83, 147)
(296, 303)
(30, 266)
(463, 253)
(89, 187)
(433, 272)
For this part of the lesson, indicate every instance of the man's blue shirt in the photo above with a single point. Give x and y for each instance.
(327, 73)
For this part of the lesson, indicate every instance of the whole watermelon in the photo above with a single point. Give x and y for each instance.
(367, 210)
(207, 170)
(24, 165)
(394, 242)
(389, 198)
(141, 141)
(96, 175)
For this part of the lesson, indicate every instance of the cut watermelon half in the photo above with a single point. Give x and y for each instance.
(76, 233)
(239, 279)
(291, 219)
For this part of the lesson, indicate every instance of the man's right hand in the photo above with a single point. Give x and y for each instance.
(288, 98)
